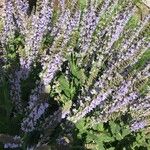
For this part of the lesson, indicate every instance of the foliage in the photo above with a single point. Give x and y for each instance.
(74, 75)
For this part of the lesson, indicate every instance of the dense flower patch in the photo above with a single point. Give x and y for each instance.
(74, 75)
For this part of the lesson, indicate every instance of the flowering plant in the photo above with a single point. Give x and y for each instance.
(72, 70)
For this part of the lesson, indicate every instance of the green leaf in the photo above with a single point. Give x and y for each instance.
(92, 137)
(74, 69)
(118, 136)
(111, 148)
(141, 62)
(76, 82)
(81, 76)
(125, 132)
(106, 137)
(82, 4)
(115, 128)
(72, 90)
(81, 125)
(99, 127)
(64, 85)
(138, 137)
(101, 146)
(78, 74)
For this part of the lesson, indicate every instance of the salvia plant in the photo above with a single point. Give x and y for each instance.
(74, 75)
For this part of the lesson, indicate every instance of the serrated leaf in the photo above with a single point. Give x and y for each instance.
(72, 90)
(99, 127)
(125, 132)
(138, 137)
(81, 76)
(64, 85)
(115, 128)
(106, 137)
(92, 137)
(100, 146)
(118, 136)
(74, 70)
(81, 125)
(76, 81)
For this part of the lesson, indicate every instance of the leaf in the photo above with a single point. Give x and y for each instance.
(82, 4)
(138, 137)
(125, 132)
(100, 146)
(81, 76)
(92, 137)
(72, 90)
(115, 129)
(78, 73)
(76, 82)
(74, 69)
(118, 136)
(111, 148)
(64, 85)
(142, 61)
(81, 124)
(99, 127)
(105, 137)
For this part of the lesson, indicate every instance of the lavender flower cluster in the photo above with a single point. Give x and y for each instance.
(113, 90)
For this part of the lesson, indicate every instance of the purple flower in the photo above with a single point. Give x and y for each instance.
(9, 25)
(122, 102)
(30, 122)
(127, 41)
(39, 27)
(137, 125)
(106, 90)
(15, 90)
(21, 15)
(88, 25)
(11, 145)
(94, 103)
(120, 23)
(16, 142)
(51, 68)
